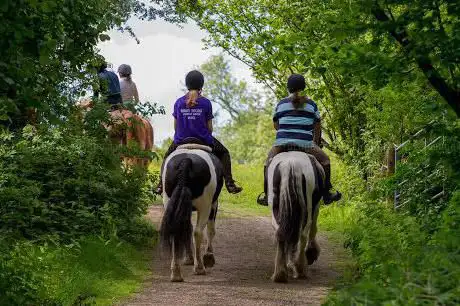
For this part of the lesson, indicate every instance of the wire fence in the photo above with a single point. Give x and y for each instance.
(426, 174)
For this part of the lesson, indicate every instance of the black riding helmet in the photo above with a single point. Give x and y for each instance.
(296, 82)
(194, 80)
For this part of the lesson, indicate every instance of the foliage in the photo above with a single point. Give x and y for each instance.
(249, 147)
(66, 184)
(91, 270)
(232, 95)
(48, 51)
(61, 179)
(243, 204)
(375, 80)
(397, 261)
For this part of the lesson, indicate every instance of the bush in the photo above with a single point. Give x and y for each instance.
(64, 184)
(398, 262)
(90, 270)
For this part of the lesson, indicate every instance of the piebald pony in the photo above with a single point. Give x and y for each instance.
(294, 190)
(193, 179)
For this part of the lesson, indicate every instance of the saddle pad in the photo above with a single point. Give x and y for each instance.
(195, 146)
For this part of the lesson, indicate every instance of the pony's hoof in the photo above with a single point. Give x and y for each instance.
(280, 277)
(312, 255)
(176, 276)
(208, 260)
(199, 271)
(300, 275)
(291, 267)
(189, 262)
(177, 279)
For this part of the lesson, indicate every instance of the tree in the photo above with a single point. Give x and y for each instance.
(222, 88)
(357, 72)
(48, 50)
(249, 110)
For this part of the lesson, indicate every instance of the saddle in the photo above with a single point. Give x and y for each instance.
(192, 143)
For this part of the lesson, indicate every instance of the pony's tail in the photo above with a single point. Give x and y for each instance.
(291, 210)
(176, 225)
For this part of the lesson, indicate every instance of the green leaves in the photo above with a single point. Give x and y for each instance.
(104, 37)
(48, 48)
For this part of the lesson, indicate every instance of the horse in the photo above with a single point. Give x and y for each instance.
(192, 180)
(295, 181)
(126, 127)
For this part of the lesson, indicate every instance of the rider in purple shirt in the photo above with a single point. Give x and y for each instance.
(193, 119)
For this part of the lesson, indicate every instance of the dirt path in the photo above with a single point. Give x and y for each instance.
(244, 252)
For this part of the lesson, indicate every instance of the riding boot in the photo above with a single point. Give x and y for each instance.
(227, 167)
(329, 197)
(264, 200)
(159, 189)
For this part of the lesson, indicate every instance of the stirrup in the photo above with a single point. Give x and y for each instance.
(262, 200)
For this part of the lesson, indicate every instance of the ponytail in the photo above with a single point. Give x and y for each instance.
(298, 100)
(192, 96)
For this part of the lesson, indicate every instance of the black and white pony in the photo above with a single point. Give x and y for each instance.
(294, 190)
(192, 180)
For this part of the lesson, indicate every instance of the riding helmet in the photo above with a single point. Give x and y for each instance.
(125, 69)
(296, 82)
(194, 80)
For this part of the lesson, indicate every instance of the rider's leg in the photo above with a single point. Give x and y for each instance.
(323, 159)
(159, 189)
(224, 156)
(272, 153)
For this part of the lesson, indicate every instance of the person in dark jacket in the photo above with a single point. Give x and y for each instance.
(109, 86)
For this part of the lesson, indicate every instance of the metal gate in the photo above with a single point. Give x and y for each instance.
(421, 135)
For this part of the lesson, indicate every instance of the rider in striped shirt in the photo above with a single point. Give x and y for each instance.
(298, 125)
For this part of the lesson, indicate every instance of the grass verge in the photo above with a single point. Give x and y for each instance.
(88, 271)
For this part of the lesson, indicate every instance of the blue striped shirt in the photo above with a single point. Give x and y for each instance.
(295, 125)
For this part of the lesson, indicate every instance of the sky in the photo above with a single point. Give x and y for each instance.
(160, 62)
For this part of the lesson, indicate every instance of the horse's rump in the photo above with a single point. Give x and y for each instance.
(292, 180)
(205, 172)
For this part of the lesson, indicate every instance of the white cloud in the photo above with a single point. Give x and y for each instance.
(160, 62)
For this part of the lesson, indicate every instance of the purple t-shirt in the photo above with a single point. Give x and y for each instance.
(193, 122)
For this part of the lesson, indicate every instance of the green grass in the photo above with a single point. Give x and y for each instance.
(99, 271)
(88, 271)
(250, 177)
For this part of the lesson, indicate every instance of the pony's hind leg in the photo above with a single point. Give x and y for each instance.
(198, 235)
(313, 249)
(291, 259)
(281, 273)
(300, 262)
(208, 258)
(176, 274)
(189, 261)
